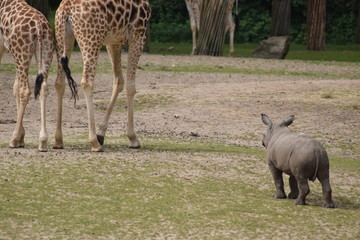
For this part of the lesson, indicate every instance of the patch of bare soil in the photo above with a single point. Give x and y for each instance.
(212, 107)
(222, 107)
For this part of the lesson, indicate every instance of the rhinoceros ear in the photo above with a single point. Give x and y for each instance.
(289, 120)
(266, 120)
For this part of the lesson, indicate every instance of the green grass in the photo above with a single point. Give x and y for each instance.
(333, 53)
(239, 70)
(103, 68)
(141, 102)
(9, 69)
(154, 193)
(171, 188)
(349, 164)
(341, 53)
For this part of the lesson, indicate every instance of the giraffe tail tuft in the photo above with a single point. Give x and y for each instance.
(72, 84)
(38, 82)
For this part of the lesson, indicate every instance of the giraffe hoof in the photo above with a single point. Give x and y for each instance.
(43, 148)
(134, 144)
(58, 146)
(16, 144)
(98, 149)
(101, 139)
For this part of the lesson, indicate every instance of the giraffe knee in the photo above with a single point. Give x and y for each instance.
(59, 83)
(193, 27)
(25, 95)
(119, 85)
(16, 88)
(130, 86)
(232, 26)
(86, 85)
(130, 91)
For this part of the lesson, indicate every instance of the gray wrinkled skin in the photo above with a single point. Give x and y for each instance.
(301, 157)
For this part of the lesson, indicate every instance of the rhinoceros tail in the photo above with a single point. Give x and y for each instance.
(318, 156)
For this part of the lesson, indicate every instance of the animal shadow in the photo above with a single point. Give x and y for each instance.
(340, 202)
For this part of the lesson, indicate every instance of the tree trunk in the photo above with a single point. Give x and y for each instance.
(41, 5)
(212, 27)
(280, 18)
(316, 11)
(357, 40)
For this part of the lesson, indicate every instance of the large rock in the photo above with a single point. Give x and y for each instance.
(273, 47)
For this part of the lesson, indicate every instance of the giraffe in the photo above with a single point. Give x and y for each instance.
(94, 23)
(24, 31)
(193, 7)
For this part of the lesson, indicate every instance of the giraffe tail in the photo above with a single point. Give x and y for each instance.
(72, 84)
(38, 82)
(40, 77)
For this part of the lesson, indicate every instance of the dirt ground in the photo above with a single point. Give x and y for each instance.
(220, 107)
(223, 106)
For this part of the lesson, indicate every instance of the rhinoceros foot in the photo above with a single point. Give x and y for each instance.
(279, 196)
(300, 202)
(293, 195)
(328, 205)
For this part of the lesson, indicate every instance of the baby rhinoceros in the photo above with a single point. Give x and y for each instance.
(301, 157)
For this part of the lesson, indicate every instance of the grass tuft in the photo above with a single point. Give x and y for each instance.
(328, 95)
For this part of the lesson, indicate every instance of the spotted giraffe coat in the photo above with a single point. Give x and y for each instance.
(94, 23)
(24, 31)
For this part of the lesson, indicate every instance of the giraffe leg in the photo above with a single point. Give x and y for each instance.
(87, 83)
(135, 50)
(2, 47)
(193, 30)
(63, 45)
(231, 31)
(22, 94)
(60, 89)
(17, 141)
(193, 22)
(118, 86)
(44, 67)
(43, 136)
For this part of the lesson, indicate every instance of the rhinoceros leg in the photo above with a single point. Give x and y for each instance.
(326, 189)
(303, 191)
(294, 188)
(323, 176)
(279, 183)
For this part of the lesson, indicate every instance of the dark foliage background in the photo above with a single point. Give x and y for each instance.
(170, 21)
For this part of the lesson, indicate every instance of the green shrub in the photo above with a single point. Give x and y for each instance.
(170, 21)
(170, 32)
(298, 35)
(341, 30)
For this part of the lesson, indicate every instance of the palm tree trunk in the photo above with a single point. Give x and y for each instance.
(280, 18)
(212, 27)
(316, 11)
